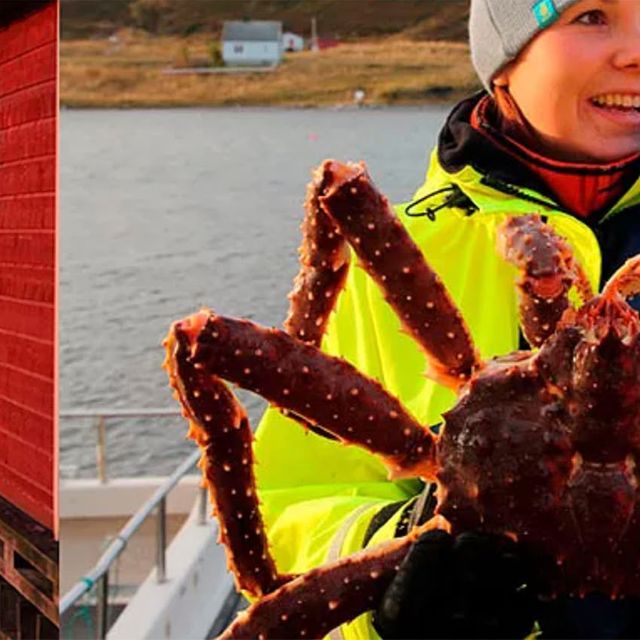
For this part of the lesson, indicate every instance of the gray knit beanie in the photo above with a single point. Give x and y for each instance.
(500, 29)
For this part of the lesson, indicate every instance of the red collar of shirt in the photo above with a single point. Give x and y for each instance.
(582, 188)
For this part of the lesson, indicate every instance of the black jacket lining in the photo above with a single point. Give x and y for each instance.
(460, 145)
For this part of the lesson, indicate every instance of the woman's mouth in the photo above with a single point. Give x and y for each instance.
(618, 100)
(623, 108)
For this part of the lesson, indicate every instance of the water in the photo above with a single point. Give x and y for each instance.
(163, 211)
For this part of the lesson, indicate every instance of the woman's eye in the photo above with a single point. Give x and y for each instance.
(591, 17)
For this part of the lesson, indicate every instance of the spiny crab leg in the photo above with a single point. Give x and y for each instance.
(324, 264)
(219, 425)
(548, 270)
(389, 255)
(325, 390)
(313, 604)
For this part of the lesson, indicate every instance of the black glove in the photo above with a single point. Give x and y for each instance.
(471, 586)
(594, 616)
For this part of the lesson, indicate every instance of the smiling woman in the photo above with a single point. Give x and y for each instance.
(556, 133)
(588, 64)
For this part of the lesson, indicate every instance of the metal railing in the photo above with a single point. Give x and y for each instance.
(100, 416)
(99, 574)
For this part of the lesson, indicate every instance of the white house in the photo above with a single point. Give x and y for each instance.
(292, 41)
(253, 43)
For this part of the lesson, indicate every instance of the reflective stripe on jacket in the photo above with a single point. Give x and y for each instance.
(319, 496)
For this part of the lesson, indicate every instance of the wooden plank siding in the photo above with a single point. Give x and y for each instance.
(28, 137)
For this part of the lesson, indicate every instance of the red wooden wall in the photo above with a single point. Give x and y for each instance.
(28, 137)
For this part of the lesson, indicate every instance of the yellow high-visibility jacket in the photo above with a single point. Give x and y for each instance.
(319, 496)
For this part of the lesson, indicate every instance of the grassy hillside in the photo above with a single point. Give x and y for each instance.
(398, 51)
(94, 73)
(346, 19)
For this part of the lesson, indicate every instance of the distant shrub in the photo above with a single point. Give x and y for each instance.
(192, 28)
(215, 54)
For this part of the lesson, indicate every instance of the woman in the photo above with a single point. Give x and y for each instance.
(558, 133)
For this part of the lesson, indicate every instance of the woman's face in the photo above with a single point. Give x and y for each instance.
(578, 82)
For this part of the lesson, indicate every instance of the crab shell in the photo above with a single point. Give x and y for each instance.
(543, 446)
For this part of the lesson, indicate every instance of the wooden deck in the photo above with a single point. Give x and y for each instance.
(28, 577)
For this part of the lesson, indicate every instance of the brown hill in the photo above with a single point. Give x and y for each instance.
(344, 19)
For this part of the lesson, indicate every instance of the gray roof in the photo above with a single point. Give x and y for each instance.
(252, 30)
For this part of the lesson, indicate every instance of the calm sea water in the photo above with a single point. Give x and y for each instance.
(163, 211)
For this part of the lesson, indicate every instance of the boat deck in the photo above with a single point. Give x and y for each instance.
(82, 541)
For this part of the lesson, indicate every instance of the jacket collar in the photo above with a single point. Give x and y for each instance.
(472, 161)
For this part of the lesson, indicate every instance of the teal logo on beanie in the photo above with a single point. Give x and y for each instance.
(545, 12)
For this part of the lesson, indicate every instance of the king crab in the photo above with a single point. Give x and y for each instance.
(541, 445)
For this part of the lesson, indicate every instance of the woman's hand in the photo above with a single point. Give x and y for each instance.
(470, 586)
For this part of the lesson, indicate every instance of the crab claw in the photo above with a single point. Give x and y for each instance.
(626, 280)
(610, 310)
(548, 271)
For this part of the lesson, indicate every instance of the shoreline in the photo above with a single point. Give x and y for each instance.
(392, 72)
(414, 106)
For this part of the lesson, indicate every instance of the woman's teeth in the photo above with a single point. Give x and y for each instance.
(617, 100)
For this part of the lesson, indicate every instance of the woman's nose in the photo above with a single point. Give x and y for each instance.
(627, 53)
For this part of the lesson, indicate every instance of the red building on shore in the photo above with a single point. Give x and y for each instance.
(28, 142)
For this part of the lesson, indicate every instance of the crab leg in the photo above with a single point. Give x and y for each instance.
(325, 390)
(219, 425)
(548, 273)
(312, 605)
(324, 264)
(392, 259)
